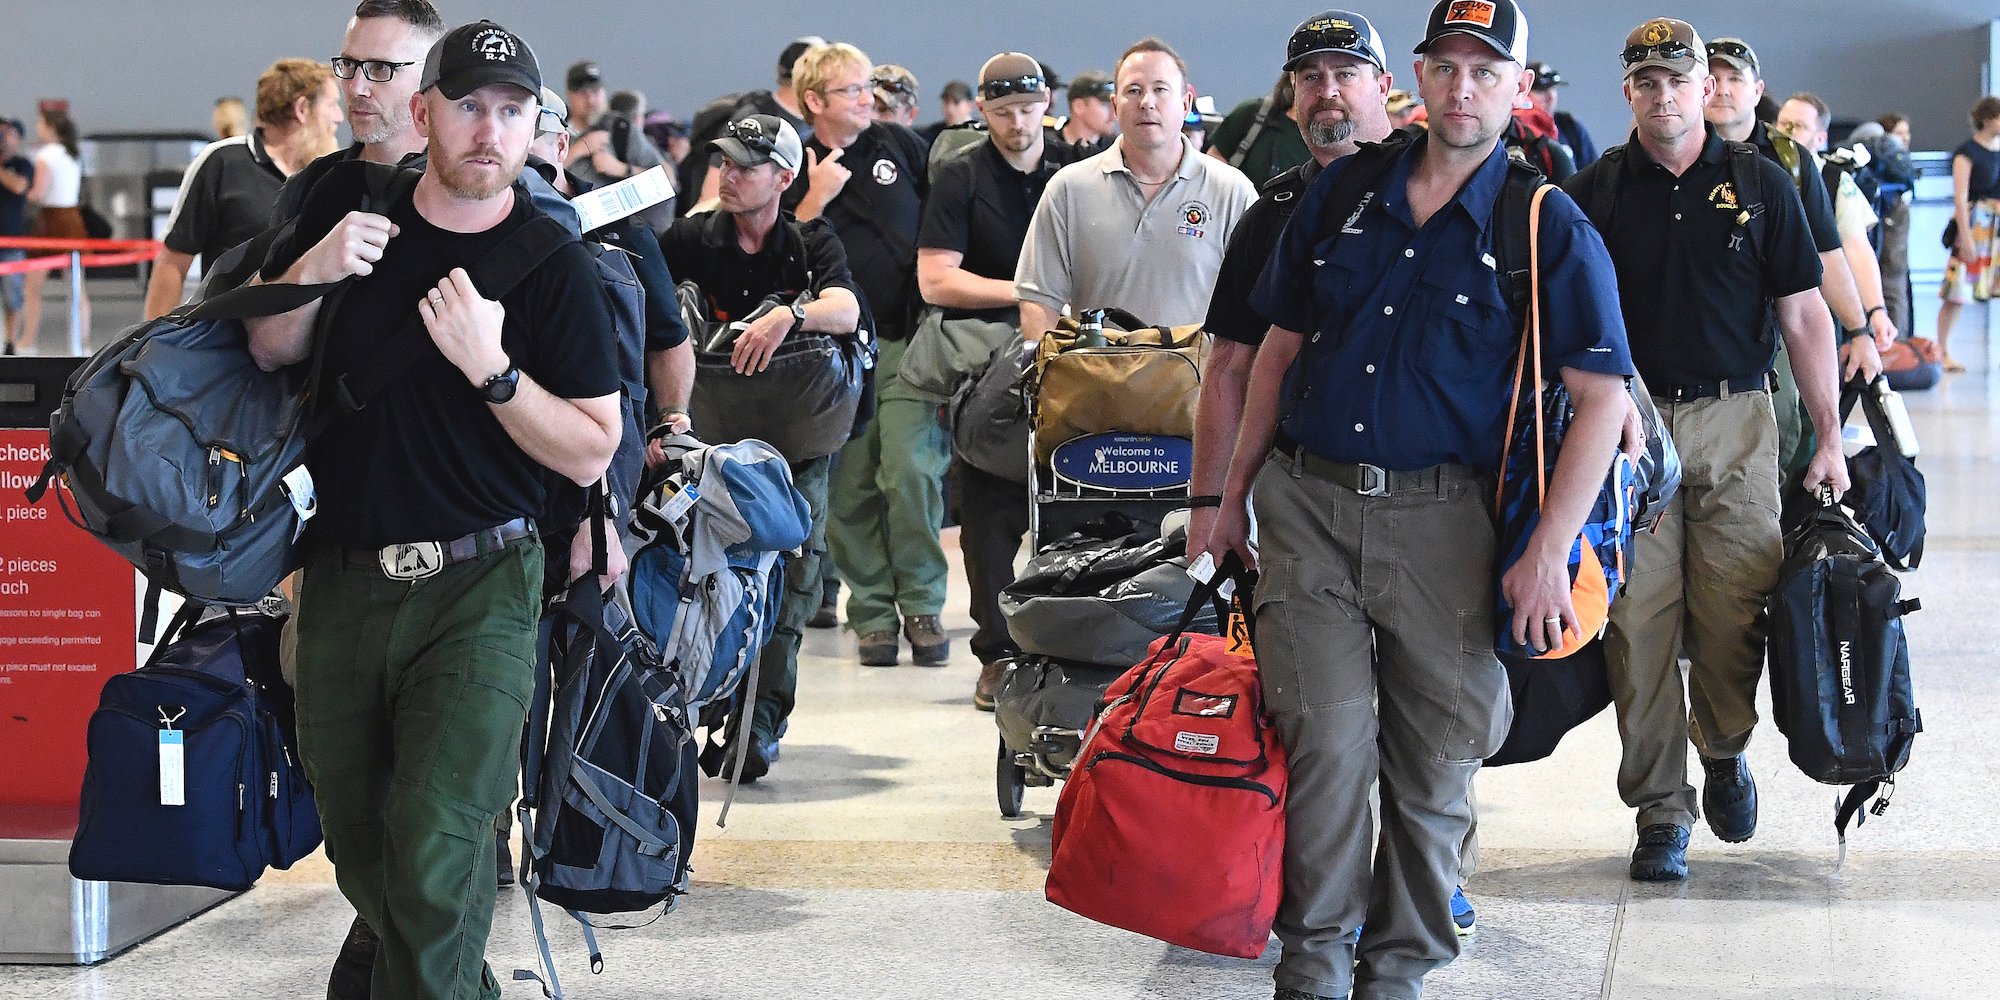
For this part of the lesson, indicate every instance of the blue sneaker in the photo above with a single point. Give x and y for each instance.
(769, 750)
(1461, 913)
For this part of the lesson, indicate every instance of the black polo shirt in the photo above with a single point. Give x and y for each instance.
(980, 206)
(1811, 187)
(798, 256)
(1696, 295)
(876, 215)
(1230, 314)
(226, 197)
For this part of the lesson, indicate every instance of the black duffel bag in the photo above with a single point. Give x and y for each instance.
(989, 414)
(1551, 697)
(1888, 495)
(1840, 664)
(1102, 594)
(805, 404)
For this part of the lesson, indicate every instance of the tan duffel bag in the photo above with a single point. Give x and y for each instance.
(1144, 380)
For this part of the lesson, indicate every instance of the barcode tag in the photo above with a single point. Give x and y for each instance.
(603, 206)
(679, 504)
(173, 768)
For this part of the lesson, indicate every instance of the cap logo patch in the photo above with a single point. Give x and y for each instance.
(1479, 12)
(1330, 24)
(1656, 32)
(496, 45)
(885, 172)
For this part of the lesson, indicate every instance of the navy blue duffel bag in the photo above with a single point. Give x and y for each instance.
(193, 776)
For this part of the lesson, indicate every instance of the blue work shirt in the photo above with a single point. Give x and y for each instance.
(1409, 354)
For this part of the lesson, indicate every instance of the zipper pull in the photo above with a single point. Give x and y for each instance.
(239, 796)
(214, 478)
(274, 785)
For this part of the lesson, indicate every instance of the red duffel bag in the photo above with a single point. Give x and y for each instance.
(1172, 823)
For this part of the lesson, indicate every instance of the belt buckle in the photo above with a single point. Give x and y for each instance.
(1374, 481)
(411, 560)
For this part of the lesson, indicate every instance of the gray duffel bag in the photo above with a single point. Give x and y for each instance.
(1102, 595)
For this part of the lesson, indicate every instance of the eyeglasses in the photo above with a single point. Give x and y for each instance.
(1012, 85)
(1337, 36)
(376, 70)
(851, 91)
(1664, 50)
(894, 85)
(1733, 50)
(750, 132)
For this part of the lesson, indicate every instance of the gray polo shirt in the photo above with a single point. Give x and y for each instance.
(1096, 244)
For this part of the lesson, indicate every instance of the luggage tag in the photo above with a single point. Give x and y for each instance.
(1202, 570)
(298, 486)
(173, 760)
(677, 506)
(599, 207)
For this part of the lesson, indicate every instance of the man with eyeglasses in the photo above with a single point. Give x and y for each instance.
(226, 196)
(868, 179)
(743, 256)
(381, 57)
(1739, 86)
(1368, 445)
(974, 224)
(1141, 226)
(1092, 123)
(1704, 267)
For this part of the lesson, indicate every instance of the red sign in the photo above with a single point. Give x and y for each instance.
(67, 622)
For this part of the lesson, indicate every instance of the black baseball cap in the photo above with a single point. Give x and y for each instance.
(793, 50)
(1546, 77)
(1091, 83)
(475, 55)
(1339, 31)
(1498, 23)
(583, 74)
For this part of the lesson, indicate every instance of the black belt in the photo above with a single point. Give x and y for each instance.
(1682, 392)
(1367, 480)
(417, 560)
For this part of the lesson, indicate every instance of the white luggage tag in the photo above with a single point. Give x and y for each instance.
(599, 207)
(298, 486)
(173, 760)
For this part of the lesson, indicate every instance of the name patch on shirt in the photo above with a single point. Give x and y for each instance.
(1194, 220)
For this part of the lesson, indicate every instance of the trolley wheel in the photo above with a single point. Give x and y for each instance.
(1011, 781)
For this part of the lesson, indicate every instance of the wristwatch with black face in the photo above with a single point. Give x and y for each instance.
(500, 388)
(798, 317)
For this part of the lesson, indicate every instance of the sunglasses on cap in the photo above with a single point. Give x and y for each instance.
(1102, 90)
(893, 85)
(1011, 85)
(1664, 50)
(751, 134)
(1339, 36)
(548, 121)
(376, 70)
(1732, 50)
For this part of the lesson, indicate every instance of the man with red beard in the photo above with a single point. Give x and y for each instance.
(423, 570)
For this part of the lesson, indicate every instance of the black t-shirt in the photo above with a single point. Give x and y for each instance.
(1985, 179)
(1230, 314)
(14, 207)
(876, 216)
(703, 249)
(980, 206)
(1812, 191)
(427, 460)
(227, 198)
(292, 197)
(1696, 293)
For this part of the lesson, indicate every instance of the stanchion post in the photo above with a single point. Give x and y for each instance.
(76, 303)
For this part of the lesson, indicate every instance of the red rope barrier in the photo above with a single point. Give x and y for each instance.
(94, 253)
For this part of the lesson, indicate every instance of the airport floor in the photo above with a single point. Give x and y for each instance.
(872, 864)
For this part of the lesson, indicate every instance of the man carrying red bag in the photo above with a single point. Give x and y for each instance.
(1388, 364)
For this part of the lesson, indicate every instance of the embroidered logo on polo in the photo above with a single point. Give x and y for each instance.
(1724, 196)
(1349, 228)
(885, 172)
(1479, 12)
(1194, 216)
(495, 44)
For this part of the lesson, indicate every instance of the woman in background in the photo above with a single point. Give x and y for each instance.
(1975, 207)
(58, 189)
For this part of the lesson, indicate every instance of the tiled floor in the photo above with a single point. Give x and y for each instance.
(873, 863)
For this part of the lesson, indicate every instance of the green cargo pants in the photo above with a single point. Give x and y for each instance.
(778, 670)
(887, 507)
(411, 700)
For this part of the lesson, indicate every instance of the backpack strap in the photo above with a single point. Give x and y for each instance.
(1256, 129)
(1601, 202)
(1512, 253)
(1743, 168)
(1361, 173)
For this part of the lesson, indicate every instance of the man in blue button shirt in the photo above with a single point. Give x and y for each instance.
(1389, 367)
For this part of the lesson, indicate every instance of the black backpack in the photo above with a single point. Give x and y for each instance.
(1840, 665)
(1888, 494)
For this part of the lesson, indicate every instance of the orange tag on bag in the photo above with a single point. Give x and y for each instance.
(1239, 635)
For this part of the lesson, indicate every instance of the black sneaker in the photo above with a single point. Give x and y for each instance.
(354, 969)
(503, 859)
(1662, 854)
(1729, 798)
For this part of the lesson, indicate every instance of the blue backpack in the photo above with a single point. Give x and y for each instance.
(193, 776)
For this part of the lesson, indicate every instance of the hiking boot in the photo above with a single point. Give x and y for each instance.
(1729, 798)
(755, 763)
(1662, 854)
(878, 649)
(989, 684)
(828, 615)
(1302, 995)
(1463, 919)
(354, 969)
(928, 645)
(503, 860)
